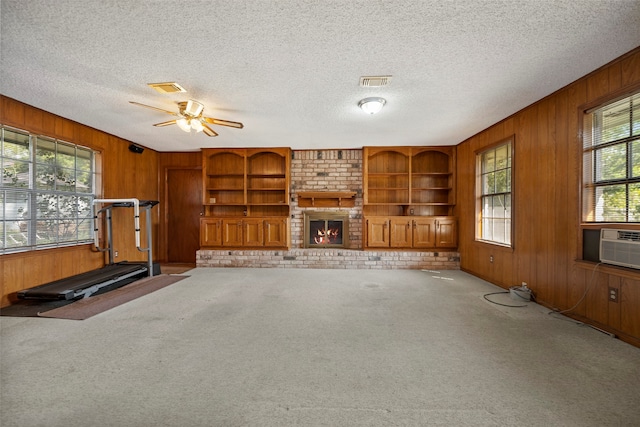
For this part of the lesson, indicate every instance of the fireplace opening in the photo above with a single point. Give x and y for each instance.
(326, 230)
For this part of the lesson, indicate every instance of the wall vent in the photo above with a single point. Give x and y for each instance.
(620, 247)
(167, 87)
(374, 81)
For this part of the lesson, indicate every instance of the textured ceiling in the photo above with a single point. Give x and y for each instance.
(289, 69)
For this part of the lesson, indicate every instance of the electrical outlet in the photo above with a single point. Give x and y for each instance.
(490, 258)
(115, 254)
(613, 294)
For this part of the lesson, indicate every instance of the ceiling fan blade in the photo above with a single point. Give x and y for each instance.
(213, 121)
(170, 122)
(207, 130)
(154, 108)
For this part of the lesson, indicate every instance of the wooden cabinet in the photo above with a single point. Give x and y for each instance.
(276, 232)
(252, 232)
(232, 232)
(244, 232)
(246, 192)
(377, 232)
(410, 232)
(446, 233)
(210, 232)
(400, 232)
(409, 197)
(424, 233)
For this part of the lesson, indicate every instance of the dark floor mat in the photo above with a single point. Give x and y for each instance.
(31, 308)
(24, 308)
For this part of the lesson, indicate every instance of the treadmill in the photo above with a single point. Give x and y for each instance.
(111, 276)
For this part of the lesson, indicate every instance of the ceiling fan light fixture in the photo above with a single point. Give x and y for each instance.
(372, 105)
(183, 124)
(196, 125)
(193, 108)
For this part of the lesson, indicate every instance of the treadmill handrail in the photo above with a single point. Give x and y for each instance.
(136, 214)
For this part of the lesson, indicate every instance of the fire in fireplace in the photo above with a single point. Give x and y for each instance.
(326, 229)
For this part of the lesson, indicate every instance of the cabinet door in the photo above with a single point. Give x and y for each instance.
(446, 232)
(275, 232)
(232, 232)
(424, 233)
(400, 229)
(210, 232)
(253, 232)
(377, 232)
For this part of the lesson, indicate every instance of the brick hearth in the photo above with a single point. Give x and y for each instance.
(329, 258)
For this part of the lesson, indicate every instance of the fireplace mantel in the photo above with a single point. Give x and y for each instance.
(326, 199)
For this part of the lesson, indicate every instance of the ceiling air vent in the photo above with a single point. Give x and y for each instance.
(168, 87)
(374, 81)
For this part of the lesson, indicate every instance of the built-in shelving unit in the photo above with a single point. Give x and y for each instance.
(246, 198)
(404, 182)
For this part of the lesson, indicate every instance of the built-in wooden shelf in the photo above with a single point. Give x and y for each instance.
(326, 199)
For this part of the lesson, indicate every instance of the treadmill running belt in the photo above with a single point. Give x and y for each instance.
(67, 288)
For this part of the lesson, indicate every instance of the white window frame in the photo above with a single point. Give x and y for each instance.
(611, 162)
(46, 194)
(494, 201)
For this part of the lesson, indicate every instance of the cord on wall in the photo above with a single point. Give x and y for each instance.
(586, 291)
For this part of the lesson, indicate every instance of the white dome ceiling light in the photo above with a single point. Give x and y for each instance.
(372, 105)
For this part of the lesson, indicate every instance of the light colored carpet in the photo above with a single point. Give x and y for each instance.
(279, 347)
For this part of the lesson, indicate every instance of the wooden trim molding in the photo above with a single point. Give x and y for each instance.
(326, 199)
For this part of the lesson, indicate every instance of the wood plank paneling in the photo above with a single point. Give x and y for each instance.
(125, 175)
(629, 303)
(630, 70)
(547, 216)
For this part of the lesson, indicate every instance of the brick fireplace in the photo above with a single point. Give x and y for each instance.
(327, 171)
(324, 229)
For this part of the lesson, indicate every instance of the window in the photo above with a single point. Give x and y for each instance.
(46, 192)
(493, 185)
(611, 162)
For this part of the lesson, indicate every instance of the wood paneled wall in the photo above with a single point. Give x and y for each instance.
(125, 175)
(547, 239)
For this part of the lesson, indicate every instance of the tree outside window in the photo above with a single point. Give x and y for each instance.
(611, 162)
(494, 194)
(46, 193)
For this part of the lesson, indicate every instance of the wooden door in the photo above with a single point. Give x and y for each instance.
(184, 205)
(424, 233)
(377, 232)
(446, 232)
(400, 229)
(275, 232)
(232, 232)
(210, 232)
(253, 232)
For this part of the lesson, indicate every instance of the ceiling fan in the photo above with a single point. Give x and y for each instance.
(190, 118)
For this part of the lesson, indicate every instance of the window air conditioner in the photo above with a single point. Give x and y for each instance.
(620, 247)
